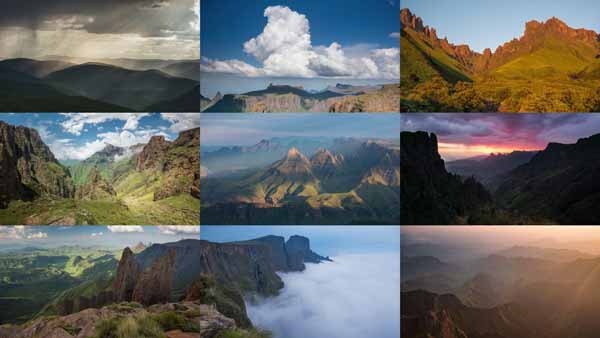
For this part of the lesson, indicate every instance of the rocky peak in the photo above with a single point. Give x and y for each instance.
(126, 277)
(96, 188)
(408, 19)
(154, 284)
(557, 27)
(323, 157)
(28, 169)
(153, 153)
(299, 252)
(190, 138)
(293, 163)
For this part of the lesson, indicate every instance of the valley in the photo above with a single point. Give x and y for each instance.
(512, 286)
(550, 68)
(339, 181)
(153, 183)
(286, 98)
(556, 185)
(74, 291)
(117, 85)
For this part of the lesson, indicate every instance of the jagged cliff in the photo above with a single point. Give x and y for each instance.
(28, 169)
(559, 183)
(533, 38)
(429, 194)
(359, 185)
(178, 161)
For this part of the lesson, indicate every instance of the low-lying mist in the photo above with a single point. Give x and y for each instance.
(356, 296)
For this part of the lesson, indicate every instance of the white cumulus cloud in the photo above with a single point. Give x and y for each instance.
(182, 121)
(76, 122)
(125, 228)
(179, 229)
(20, 232)
(284, 48)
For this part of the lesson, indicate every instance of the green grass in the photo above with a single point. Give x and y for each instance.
(237, 333)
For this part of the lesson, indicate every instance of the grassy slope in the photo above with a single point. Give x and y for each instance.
(29, 280)
(418, 58)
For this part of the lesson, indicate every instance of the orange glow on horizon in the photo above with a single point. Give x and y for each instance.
(455, 151)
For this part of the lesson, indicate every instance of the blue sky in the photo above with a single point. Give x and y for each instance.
(76, 136)
(248, 129)
(342, 39)
(325, 240)
(108, 237)
(489, 23)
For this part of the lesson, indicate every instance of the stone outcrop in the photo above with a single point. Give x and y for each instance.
(178, 161)
(126, 278)
(154, 284)
(96, 188)
(534, 36)
(28, 169)
(153, 153)
(83, 324)
(212, 322)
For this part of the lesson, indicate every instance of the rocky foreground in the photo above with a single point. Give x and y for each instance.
(92, 322)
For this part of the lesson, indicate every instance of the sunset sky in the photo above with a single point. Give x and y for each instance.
(467, 135)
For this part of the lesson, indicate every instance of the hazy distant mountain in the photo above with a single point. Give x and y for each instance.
(186, 69)
(187, 102)
(38, 69)
(129, 88)
(285, 98)
(20, 91)
(489, 169)
(354, 186)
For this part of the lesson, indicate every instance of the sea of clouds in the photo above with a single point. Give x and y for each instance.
(356, 296)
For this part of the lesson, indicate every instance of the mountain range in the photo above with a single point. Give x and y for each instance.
(285, 98)
(55, 85)
(358, 182)
(555, 185)
(153, 183)
(237, 270)
(550, 68)
(84, 292)
(517, 292)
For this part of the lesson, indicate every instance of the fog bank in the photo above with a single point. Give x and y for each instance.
(356, 296)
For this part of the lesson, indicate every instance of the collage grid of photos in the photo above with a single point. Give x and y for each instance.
(200, 168)
(500, 157)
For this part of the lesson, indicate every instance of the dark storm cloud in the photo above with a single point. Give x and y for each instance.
(149, 18)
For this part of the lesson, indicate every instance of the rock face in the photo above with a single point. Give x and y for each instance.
(559, 183)
(248, 266)
(126, 278)
(28, 169)
(97, 188)
(298, 252)
(212, 322)
(358, 181)
(178, 161)
(153, 153)
(429, 194)
(536, 33)
(154, 284)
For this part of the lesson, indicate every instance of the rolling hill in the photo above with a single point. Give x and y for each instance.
(129, 88)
